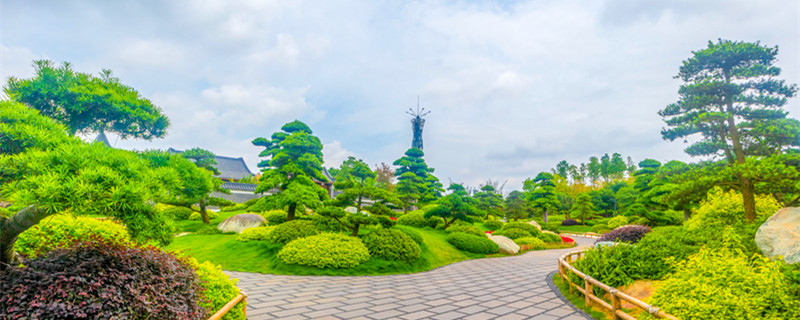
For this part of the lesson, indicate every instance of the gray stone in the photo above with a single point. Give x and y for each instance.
(535, 224)
(506, 245)
(240, 222)
(780, 235)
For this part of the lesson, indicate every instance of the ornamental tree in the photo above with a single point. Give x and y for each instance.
(415, 181)
(541, 193)
(454, 206)
(584, 208)
(516, 207)
(357, 182)
(22, 128)
(85, 103)
(732, 102)
(489, 201)
(293, 164)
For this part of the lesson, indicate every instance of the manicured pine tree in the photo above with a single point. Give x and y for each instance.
(583, 208)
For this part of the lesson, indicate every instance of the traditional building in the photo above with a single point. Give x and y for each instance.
(231, 170)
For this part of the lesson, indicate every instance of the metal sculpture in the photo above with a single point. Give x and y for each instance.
(417, 122)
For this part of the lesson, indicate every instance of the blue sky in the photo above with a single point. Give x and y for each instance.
(514, 86)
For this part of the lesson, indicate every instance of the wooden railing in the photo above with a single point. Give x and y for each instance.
(242, 297)
(564, 266)
(585, 235)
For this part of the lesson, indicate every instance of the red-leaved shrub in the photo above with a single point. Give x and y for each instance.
(98, 280)
(569, 222)
(629, 233)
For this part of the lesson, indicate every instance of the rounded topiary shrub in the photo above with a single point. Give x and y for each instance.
(413, 219)
(465, 229)
(569, 222)
(411, 233)
(533, 230)
(549, 237)
(531, 242)
(327, 224)
(177, 213)
(99, 280)
(64, 230)
(288, 231)
(600, 228)
(515, 233)
(434, 221)
(275, 217)
(196, 215)
(493, 224)
(630, 234)
(472, 243)
(326, 250)
(617, 222)
(257, 233)
(391, 244)
(218, 290)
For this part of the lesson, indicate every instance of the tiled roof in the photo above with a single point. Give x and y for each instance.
(238, 186)
(229, 168)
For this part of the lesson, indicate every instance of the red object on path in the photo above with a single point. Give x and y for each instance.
(393, 218)
(567, 239)
(489, 232)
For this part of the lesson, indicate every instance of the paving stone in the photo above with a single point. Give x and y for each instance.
(417, 315)
(449, 316)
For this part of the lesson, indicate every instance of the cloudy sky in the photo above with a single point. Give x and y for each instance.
(514, 86)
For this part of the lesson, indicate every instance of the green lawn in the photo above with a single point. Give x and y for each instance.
(575, 228)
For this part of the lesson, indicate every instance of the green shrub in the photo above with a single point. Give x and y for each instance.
(533, 230)
(725, 284)
(257, 233)
(472, 243)
(663, 218)
(600, 228)
(466, 229)
(64, 230)
(327, 224)
(551, 226)
(326, 250)
(219, 290)
(391, 244)
(411, 233)
(642, 221)
(531, 242)
(549, 237)
(295, 229)
(617, 222)
(195, 216)
(665, 244)
(609, 264)
(414, 218)
(514, 233)
(385, 221)
(493, 224)
(178, 213)
(275, 217)
(434, 222)
(722, 209)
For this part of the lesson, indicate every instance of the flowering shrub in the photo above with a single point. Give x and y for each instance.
(64, 230)
(257, 233)
(569, 222)
(100, 280)
(295, 229)
(630, 234)
(326, 250)
(493, 224)
(391, 244)
(472, 243)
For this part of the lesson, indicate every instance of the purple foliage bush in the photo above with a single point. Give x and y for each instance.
(629, 233)
(569, 222)
(99, 280)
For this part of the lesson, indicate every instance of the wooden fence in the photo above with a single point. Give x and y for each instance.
(228, 306)
(587, 289)
(585, 235)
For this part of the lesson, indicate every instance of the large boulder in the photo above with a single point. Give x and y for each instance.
(240, 222)
(780, 235)
(535, 225)
(506, 245)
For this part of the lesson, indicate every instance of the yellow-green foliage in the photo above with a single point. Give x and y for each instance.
(391, 244)
(531, 242)
(722, 209)
(275, 217)
(493, 224)
(175, 212)
(63, 230)
(414, 218)
(219, 290)
(465, 229)
(617, 222)
(600, 228)
(211, 215)
(326, 250)
(725, 284)
(288, 231)
(257, 233)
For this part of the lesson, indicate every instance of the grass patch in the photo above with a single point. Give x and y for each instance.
(575, 228)
(577, 299)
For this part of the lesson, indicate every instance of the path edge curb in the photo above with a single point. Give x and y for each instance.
(558, 293)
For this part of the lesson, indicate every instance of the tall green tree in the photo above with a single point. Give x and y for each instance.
(489, 201)
(294, 162)
(454, 206)
(415, 180)
(541, 193)
(583, 208)
(733, 102)
(516, 206)
(85, 103)
(357, 183)
(205, 160)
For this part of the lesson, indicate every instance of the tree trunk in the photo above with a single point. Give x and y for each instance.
(544, 217)
(290, 212)
(686, 214)
(749, 199)
(203, 212)
(746, 185)
(11, 227)
(358, 204)
(447, 224)
(355, 230)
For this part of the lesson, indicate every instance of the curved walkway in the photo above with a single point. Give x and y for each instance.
(497, 288)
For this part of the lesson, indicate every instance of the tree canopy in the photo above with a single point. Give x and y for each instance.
(415, 180)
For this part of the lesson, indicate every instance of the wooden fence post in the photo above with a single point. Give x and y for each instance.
(616, 304)
(589, 291)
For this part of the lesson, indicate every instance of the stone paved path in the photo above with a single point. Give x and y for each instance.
(498, 288)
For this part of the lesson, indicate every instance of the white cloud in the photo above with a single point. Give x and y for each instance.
(334, 154)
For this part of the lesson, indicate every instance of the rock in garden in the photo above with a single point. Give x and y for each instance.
(780, 235)
(240, 222)
(506, 245)
(535, 224)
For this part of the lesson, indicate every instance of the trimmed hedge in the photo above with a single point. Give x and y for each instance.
(434, 221)
(326, 250)
(617, 222)
(600, 228)
(327, 224)
(465, 229)
(257, 233)
(275, 217)
(414, 218)
(289, 231)
(472, 243)
(177, 213)
(413, 234)
(514, 233)
(99, 280)
(549, 237)
(533, 230)
(493, 224)
(530, 242)
(630, 234)
(64, 230)
(195, 216)
(391, 244)
(219, 289)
